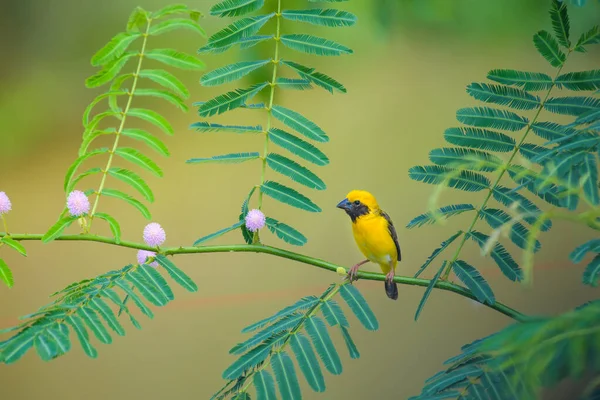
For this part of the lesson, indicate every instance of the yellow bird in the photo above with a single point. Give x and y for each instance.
(375, 236)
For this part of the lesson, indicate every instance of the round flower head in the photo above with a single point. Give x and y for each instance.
(78, 203)
(5, 205)
(154, 234)
(143, 255)
(255, 220)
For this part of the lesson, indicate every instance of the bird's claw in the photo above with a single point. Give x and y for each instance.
(389, 277)
(352, 273)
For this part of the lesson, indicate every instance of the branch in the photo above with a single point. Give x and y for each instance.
(253, 248)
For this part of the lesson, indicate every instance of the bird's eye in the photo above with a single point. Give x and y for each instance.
(356, 202)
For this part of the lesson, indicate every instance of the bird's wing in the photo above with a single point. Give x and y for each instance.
(393, 233)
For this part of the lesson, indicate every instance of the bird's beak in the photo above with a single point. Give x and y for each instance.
(344, 204)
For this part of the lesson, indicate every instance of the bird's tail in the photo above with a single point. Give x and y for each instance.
(391, 289)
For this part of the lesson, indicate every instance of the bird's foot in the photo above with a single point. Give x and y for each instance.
(389, 277)
(352, 273)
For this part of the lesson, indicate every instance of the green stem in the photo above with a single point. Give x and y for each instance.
(274, 251)
(121, 126)
(4, 223)
(270, 105)
(500, 175)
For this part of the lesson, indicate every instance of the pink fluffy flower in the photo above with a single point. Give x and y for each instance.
(154, 234)
(143, 255)
(5, 204)
(255, 220)
(78, 203)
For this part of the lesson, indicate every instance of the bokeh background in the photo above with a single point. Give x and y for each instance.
(412, 61)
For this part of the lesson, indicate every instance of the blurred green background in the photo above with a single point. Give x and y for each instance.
(412, 61)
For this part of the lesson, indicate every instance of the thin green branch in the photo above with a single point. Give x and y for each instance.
(500, 175)
(4, 222)
(122, 125)
(253, 248)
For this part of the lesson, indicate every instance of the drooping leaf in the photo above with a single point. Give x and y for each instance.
(133, 296)
(178, 275)
(6, 274)
(115, 48)
(60, 335)
(560, 22)
(14, 245)
(575, 106)
(148, 290)
(210, 127)
(288, 196)
(231, 72)
(167, 80)
(323, 17)
(482, 139)
(295, 171)
(285, 232)
(103, 310)
(580, 251)
(175, 59)
(581, 80)
(57, 229)
(333, 313)
(176, 23)
(89, 316)
(318, 78)
(219, 233)
(299, 123)
(501, 256)
(352, 349)
(152, 117)
(285, 374)
(437, 252)
(474, 281)
(236, 8)
(114, 225)
(239, 29)
(163, 94)
(82, 334)
(548, 48)
(465, 159)
(147, 138)
(486, 117)
(156, 280)
(430, 287)
(359, 307)
(589, 173)
(265, 385)
(128, 199)
(298, 146)
(314, 45)
(316, 329)
(233, 158)
(503, 95)
(591, 275)
(134, 180)
(137, 158)
(229, 101)
(590, 37)
(441, 213)
(462, 180)
(523, 79)
(307, 360)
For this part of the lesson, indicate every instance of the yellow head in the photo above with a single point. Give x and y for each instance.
(358, 203)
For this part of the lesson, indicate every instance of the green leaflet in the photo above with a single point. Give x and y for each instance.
(428, 290)
(352, 349)
(254, 357)
(265, 385)
(6, 274)
(166, 80)
(231, 72)
(114, 225)
(57, 229)
(73, 168)
(98, 99)
(172, 9)
(285, 232)
(128, 199)
(138, 302)
(474, 281)
(82, 334)
(210, 127)
(307, 360)
(162, 94)
(295, 171)
(592, 272)
(507, 197)
(359, 307)
(89, 316)
(176, 23)
(239, 29)
(333, 313)
(501, 256)
(137, 158)
(107, 314)
(236, 8)
(443, 212)
(299, 123)
(244, 42)
(560, 22)
(153, 117)
(175, 59)
(300, 306)
(115, 48)
(486, 117)
(280, 327)
(156, 280)
(548, 48)
(233, 158)
(17, 346)
(219, 233)
(590, 37)
(109, 71)
(148, 139)
(437, 252)
(133, 180)
(323, 17)
(575, 106)
(288, 196)
(149, 291)
(503, 95)
(482, 139)
(286, 376)
(518, 233)
(589, 172)
(462, 180)
(316, 329)
(14, 245)
(523, 79)
(314, 45)
(60, 336)
(293, 84)
(178, 275)
(137, 19)
(580, 252)
(318, 78)
(462, 158)
(582, 80)
(229, 100)
(298, 146)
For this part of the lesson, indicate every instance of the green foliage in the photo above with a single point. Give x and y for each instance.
(112, 58)
(90, 306)
(277, 334)
(245, 32)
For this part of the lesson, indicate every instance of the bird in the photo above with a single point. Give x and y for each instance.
(375, 236)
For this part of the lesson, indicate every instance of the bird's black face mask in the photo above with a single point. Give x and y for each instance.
(354, 209)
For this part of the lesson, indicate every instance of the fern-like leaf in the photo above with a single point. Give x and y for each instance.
(590, 37)
(288, 196)
(581, 80)
(299, 123)
(437, 252)
(297, 146)
(295, 171)
(501, 256)
(462, 180)
(233, 158)
(231, 72)
(242, 28)
(548, 48)
(482, 139)
(229, 100)
(430, 287)
(486, 117)
(323, 17)
(285, 232)
(474, 281)
(314, 45)
(236, 8)
(523, 79)
(440, 213)
(318, 78)
(560, 22)
(575, 106)
(503, 95)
